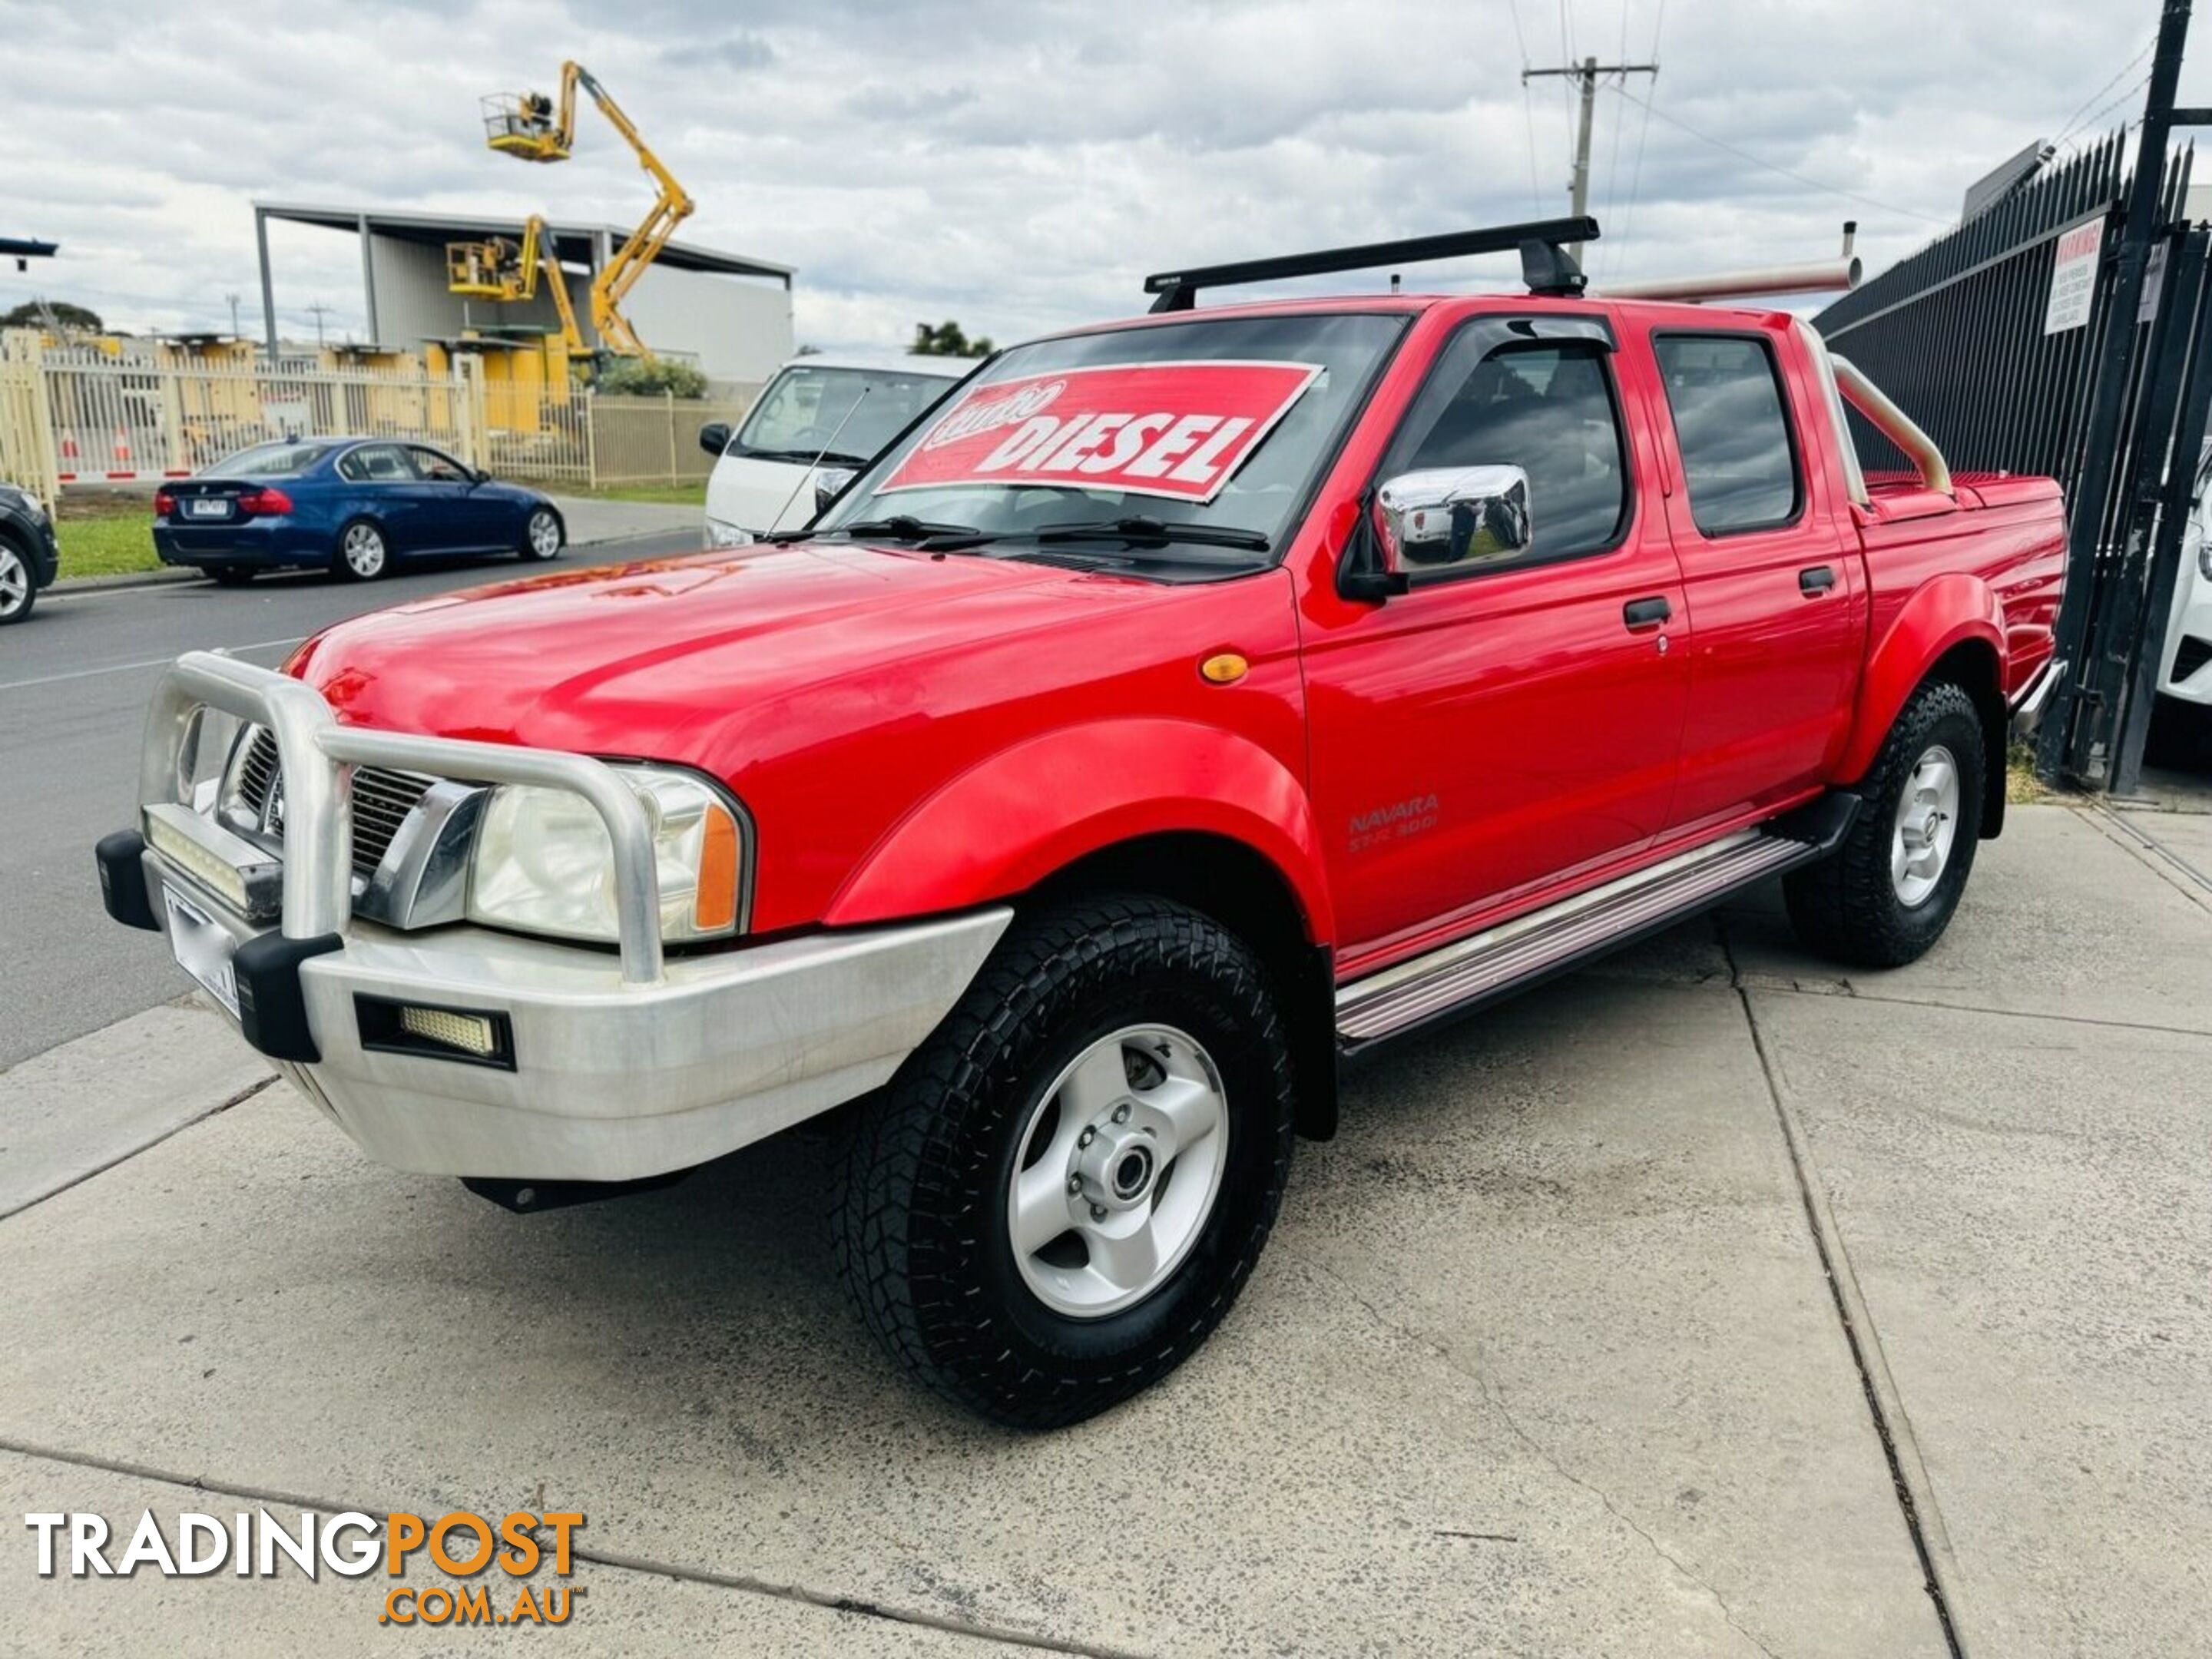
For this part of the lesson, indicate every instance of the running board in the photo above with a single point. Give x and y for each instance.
(1469, 972)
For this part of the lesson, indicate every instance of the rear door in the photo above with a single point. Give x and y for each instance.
(1777, 595)
(1503, 727)
(383, 484)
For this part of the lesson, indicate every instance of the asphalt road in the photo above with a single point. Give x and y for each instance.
(74, 682)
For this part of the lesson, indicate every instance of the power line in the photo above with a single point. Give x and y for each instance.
(1761, 161)
(1613, 162)
(1528, 107)
(1643, 132)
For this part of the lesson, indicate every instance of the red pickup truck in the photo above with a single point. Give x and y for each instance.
(1184, 707)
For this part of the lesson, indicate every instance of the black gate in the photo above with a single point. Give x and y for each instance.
(1974, 338)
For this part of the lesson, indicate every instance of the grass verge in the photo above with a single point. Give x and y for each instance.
(692, 493)
(2022, 786)
(106, 538)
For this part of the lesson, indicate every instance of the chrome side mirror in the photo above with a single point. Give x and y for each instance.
(1442, 518)
(830, 483)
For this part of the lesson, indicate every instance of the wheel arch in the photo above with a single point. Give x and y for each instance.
(1193, 813)
(1239, 887)
(1951, 631)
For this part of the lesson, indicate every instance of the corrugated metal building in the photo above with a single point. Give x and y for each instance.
(729, 314)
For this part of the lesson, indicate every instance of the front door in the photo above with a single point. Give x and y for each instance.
(457, 519)
(1503, 725)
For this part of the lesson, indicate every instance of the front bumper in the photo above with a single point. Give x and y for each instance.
(612, 1068)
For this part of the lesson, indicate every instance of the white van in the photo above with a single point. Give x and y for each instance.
(838, 409)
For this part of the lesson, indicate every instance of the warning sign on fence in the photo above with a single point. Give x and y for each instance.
(2074, 277)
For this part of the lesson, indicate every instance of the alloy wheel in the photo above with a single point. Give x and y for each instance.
(14, 582)
(1926, 825)
(364, 551)
(1120, 1165)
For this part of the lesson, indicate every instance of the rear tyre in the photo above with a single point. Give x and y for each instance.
(230, 576)
(1062, 1193)
(363, 554)
(1888, 892)
(18, 592)
(543, 536)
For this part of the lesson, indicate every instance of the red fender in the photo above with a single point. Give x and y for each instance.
(1005, 825)
(1941, 613)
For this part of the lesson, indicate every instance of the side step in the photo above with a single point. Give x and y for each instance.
(1469, 972)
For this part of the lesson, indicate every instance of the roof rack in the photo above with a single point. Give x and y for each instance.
(1545, 265)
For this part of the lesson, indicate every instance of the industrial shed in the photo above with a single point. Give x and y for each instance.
(729, 314)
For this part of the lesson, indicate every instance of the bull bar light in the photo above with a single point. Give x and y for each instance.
(543, 863)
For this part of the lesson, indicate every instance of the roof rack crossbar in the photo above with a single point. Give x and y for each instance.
(1177, 290)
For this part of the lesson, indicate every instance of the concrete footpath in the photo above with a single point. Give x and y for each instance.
(1711, 1302)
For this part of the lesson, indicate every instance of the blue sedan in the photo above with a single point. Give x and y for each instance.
(354, 506)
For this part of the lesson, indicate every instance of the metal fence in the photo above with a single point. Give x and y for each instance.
(1993, 337)
(125, 419)
(93, 413)
(582, 438)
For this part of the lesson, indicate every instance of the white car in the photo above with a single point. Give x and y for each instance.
(2185, 671)
(823, 417)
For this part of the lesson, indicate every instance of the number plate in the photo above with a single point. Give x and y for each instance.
(207, 506)
(202, 948)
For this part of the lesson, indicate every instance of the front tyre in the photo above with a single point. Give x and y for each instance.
(1888, 894)
(362, 554)
(1060, 1194)
(543, 536)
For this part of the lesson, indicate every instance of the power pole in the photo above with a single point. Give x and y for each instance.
(233, 298)
(1588, 72)
(318, 309)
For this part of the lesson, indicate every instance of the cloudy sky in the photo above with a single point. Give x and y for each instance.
(1020, 166)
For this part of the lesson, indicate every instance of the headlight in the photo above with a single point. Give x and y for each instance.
(726, 535)
(543, 863)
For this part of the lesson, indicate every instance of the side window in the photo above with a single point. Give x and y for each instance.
(376, 463)
(1738, 459)
(435, 467)
(1547, 409)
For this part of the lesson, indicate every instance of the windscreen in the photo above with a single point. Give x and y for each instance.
(286, 459)
(1206, 434)
(842, 415)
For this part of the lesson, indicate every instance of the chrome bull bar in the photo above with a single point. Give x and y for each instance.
(317, 755)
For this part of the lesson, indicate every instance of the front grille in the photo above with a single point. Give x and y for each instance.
(382, 798)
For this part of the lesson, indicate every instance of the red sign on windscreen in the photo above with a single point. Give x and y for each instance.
(1175, 429)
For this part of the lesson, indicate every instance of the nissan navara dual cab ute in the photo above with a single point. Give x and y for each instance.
(1190, 703)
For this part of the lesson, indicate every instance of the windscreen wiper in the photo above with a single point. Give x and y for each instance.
(904, 527)
(1160, 530)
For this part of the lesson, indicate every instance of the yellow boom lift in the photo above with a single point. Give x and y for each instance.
(536, 128)
(503, 270)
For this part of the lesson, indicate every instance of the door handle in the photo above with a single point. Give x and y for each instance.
(1644, 613)
(1815, 580)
